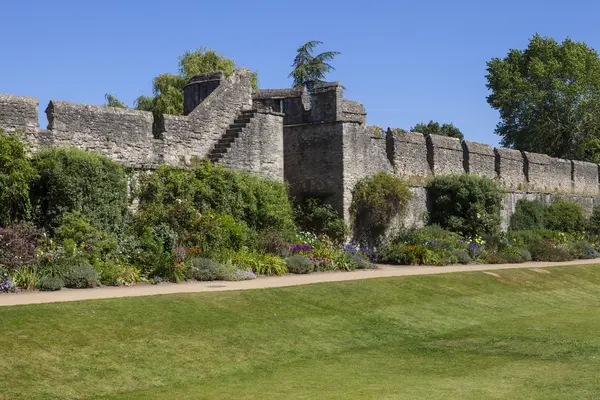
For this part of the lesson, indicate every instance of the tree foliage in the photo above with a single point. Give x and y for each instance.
(167, 89)
(466, 204)
(16, 173)
(77, 180)
(434, 128)
(310, 70)
(376, 201)
(113, 101)
(548, 96)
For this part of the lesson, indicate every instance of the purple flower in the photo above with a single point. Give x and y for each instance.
(473, 245)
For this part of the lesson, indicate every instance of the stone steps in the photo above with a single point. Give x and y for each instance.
(231, 134)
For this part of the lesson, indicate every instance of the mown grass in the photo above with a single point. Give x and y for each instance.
(519, 335)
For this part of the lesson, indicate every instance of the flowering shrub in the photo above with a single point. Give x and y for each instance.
(6, 284)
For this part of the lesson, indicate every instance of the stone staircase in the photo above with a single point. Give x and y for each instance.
(231, 134)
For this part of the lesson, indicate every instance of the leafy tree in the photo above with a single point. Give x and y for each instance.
(310, 70)
(548, 96)
(16, 174)
(434, 128)
(167, 89)
(113, 101)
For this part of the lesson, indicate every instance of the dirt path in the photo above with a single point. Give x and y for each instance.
(261, 283)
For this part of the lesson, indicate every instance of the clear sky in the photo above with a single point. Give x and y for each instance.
(406, 61)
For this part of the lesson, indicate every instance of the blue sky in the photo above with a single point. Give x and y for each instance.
(406, 61)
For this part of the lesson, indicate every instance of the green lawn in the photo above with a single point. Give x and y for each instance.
(523, 335)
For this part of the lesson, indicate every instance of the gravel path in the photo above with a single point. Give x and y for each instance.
(261, 283)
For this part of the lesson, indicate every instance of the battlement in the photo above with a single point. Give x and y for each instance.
(318, 142)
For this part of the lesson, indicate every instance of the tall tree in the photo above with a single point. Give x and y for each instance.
(548, 96)
(434, 128)
(310, 70)
(167, 89)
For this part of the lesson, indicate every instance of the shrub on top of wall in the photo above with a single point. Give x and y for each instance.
(16, 173)
(376, 200)
(565, 216)
(466, 204)
(77, 180)
(528, 215)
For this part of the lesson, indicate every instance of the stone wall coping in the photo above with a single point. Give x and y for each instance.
(326, 87)
(509, 154)
(59, 105)
(262, 94)
(585, 164)
(207, 77)
(14, 98)
(353, 107)
(406, 136)
(445, 142)
(479, 148)
(535, 158)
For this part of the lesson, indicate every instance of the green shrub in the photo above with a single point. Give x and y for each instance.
(259, 263)
(80, 276)
(565, 216)
(524, 254)
(529, 214)
(430, 233)
(26, 278)
(312, 215)
(115, 274)
(548, 250)
(205, 269)
(299, 265)
(421, 254)
(77, 180)
(376, 201)
(259, 203)
(50, 283)
(462, 256)
(594, 221)
(77, 234)
(582, 250)
(16, 174)
(524, 239)
(466, 204)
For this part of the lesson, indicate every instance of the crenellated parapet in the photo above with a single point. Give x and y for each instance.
(318, 142)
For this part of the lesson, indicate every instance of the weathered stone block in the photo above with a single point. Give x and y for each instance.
(510, 168)
(445, 155)
(354, 111)
(545, 173)
(259, 147)
(18, 113)
(408, 153)
(585, 177)
(480, 159)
